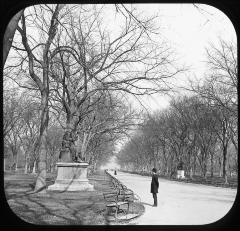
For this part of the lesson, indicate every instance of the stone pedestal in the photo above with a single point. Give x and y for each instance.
(180, 174)
(71, 177)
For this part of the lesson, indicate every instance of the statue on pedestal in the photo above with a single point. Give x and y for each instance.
(68, 151)
(72, 169)
(180, 171)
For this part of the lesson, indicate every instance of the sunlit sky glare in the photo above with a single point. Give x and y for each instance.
(111, 164)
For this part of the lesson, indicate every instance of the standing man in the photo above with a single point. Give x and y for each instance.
(154, 186)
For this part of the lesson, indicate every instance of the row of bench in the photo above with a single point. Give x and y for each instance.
(119, 197)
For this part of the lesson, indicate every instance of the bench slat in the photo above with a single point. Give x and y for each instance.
(117, 204)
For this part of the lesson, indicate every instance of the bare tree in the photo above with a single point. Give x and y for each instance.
(220, 90)
(31, 121)
(220, 86)
(188, 131)
(87, 59)
(54, 138)
(223, 132)
(38, 68)
(222, 61)
(11, 110)
(204, 127)
(109, 117)
(13, 141)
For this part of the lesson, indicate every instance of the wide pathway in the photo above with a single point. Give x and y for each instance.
(179, 203)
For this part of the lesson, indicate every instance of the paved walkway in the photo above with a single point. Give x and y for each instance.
(179, 203)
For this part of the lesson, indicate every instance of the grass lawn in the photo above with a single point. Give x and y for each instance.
(60, 208)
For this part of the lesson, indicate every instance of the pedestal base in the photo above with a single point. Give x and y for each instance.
(180, 174)
(71, 177)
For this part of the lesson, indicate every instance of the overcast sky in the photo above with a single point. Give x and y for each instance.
(189, 32)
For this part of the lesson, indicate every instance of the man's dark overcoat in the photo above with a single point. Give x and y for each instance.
(154, 184)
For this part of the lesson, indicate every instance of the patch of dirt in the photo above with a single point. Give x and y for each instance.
(61, 208)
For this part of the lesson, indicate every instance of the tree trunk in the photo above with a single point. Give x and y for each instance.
(191, 173)
(224, 160)
(26, 168)
(211, 164)
(226, 179)
(29, 168)
(194, 165)
(14, 150)
(94, 166)
(42, 162)
(204, 169)
(26, 163)
(234, 143)
(34, 167)
(220, 166)
(9, 34)
(42, 165)
(43, 85)
(16, 166)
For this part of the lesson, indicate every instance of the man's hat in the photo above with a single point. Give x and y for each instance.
(154, 170)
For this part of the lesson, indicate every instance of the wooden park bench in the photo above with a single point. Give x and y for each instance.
(115, 200)
(119, 196)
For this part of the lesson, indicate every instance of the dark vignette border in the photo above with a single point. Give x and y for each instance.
(10, 220)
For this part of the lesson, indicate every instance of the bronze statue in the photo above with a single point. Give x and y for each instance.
(68, 151)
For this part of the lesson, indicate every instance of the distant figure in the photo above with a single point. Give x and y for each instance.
(115, 172)
(154, 186)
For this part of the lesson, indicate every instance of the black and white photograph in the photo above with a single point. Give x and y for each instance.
(120, 114)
